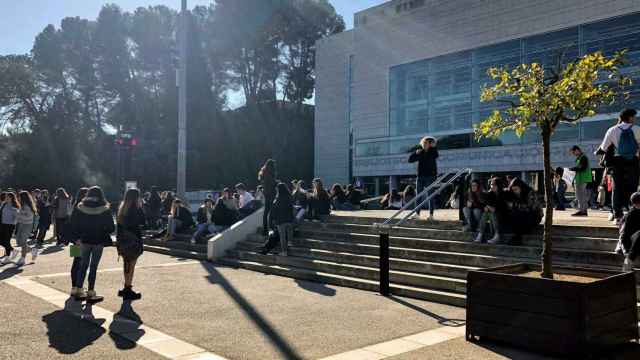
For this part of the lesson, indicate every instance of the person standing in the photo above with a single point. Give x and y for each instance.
(624, 165)
(62, 208)
(8, 213)
(44, 210)
(426, 156)
(155, 207)
(76, 265)
(24, 223)
(282, 216)
(583, 178)
(267, 177)
(559, 189)
(131, 219)
(92, 224)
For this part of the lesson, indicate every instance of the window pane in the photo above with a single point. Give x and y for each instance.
(595, 130)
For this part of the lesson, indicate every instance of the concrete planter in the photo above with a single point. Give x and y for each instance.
(553, 316)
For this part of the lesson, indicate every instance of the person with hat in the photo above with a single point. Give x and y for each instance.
(426, 156)
(630, 233)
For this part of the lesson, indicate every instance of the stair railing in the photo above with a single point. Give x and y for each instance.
(442, 182)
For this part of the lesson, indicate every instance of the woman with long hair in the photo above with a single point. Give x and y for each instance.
(320, 201)
(474, 206)
(44, 223)
(62, 208)
(408, 194)
(24, 223)
(130, 221)
(524, 210)
(267, 177)
(392, 200)
(339, 198)
(282, 216)
(92, 224)
(76, 265)
(179, 220)
(494, 211)
(8, 213)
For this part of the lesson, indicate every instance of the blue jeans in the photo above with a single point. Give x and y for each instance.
(422, 183)
(91, 255)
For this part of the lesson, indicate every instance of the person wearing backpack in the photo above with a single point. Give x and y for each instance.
(625, 166)
(582, 179)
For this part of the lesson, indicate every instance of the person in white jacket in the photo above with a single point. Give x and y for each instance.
(24, 221)
(8, 211)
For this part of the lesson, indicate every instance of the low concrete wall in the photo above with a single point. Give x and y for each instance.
(228, 239)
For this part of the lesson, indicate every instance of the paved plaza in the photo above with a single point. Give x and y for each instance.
(201, 310)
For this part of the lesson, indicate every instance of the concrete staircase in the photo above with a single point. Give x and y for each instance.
(180, 247)
(428, 260)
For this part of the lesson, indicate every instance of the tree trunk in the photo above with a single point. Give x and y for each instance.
(547, 266)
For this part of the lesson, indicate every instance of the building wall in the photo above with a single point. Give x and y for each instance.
(331, 111)
(384, 38)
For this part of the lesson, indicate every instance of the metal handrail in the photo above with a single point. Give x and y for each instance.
(426, 190)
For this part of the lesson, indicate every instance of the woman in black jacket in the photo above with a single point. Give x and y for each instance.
(267, 177)
(320, 202)
(180, 219)
(92, 225)
(76, 266)
(44, 223)
(222, 216)
(131, 219)
(282, 216)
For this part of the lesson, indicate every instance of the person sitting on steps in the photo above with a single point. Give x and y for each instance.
(630, 233)
(494, 211)
(179, 221)
(204, 218)
(525, 211)
(474, 207)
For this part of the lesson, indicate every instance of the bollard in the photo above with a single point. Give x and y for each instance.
(384, 263)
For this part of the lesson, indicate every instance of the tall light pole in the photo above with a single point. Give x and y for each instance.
(182, 105)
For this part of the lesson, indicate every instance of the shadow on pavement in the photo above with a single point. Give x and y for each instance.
(9, 272)
(126, 321)
(441, 320)
(51, 249)
(318, 288)
(274, 337)
(68, 335)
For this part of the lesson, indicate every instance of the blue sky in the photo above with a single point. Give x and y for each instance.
(22, 20)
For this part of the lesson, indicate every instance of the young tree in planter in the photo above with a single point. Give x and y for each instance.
(546, 98)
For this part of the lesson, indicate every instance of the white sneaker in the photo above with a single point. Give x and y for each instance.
(478, 238)
(4, 260)
(20, 261)
(34, 254)
(415, 216)
(627, 265)
(495, 239)
(430, 218)
(193, 241)
(611, 217)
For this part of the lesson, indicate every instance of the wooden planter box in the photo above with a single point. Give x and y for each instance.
(552, 316)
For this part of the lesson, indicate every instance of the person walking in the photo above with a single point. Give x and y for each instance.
(583, 178)
(624, 166)
(131, 219)
(62, 208)
(92, 224)
(24, 223)
(267, 177)
(76, 265)
(426, 156)
(282, 216)
(8, 213)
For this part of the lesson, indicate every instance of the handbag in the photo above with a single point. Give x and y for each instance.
(454, 201)
(74, 251)
(129, 246)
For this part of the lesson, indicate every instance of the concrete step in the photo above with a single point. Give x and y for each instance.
(356, 271)
(568, 242)
(444, 297)
(181, 245)
(563, 230)
(179, 253)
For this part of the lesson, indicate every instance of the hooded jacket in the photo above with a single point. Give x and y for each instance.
(92, 223)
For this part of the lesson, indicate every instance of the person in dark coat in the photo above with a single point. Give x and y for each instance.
(267, 177)
(282, 216)
(180, 219)
(155, 207)
(131, 219)
(630, 233)
(495, 211)
(44, 223)
(525, 211)
(92, 225)
(426, 155)
(222, 216)
(320, 202)
(354, 196)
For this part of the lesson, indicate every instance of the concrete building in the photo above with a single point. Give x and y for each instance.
(415, 67)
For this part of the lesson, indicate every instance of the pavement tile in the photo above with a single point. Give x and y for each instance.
(173, 348)
(359, 354)
(394, 347)
(201, 356)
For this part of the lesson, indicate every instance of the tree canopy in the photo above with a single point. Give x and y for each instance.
(85, 80)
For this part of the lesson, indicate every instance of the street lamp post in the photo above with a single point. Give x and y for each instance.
(182, 104)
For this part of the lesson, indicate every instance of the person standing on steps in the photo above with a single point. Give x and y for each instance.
(426, 155)
(282, 216)
(267, 177)
(624, 164)
(582, 179)
(93, 225)
(130, 220)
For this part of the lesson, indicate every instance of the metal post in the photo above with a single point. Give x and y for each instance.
(182, 105)
(384, 263)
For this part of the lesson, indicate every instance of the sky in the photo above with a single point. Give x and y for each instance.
(22, 20)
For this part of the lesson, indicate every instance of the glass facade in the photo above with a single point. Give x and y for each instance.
(441, 96)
